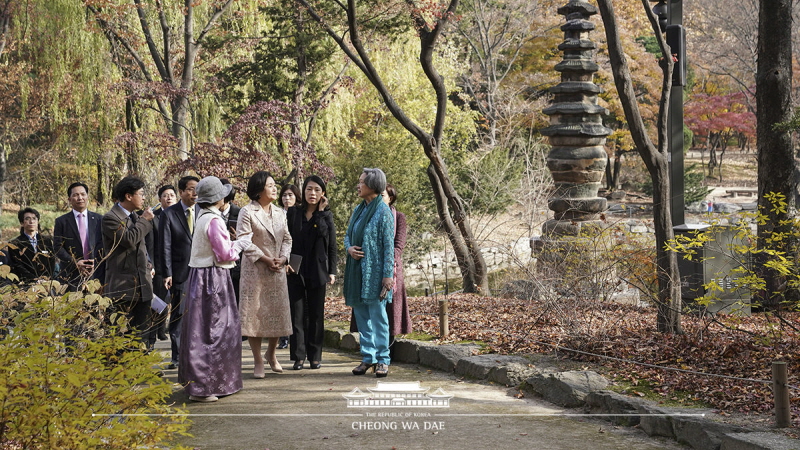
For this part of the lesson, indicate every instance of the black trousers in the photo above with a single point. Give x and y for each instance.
(307, 307)
(138, 314)
(175, 315)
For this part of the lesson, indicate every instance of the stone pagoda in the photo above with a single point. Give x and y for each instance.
(576, 133)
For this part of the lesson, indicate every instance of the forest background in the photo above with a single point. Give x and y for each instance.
(94, 90)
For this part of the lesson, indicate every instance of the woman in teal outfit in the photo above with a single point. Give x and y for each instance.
(369, 271)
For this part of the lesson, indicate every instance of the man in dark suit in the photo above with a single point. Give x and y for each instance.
(78, 240)
(128, 272)
(175, 229)
(32, 258)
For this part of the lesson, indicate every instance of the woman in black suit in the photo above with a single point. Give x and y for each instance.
(313, 239)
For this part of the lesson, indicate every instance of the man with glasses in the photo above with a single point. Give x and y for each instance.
(129, 281)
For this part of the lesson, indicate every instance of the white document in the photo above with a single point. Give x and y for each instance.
(158, 305)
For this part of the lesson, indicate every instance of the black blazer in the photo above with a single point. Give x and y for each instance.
(317, 246)
(69, 248)
(28, 264)
(154, 250)
(175, 243)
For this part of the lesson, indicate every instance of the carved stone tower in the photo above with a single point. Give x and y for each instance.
(577, 159)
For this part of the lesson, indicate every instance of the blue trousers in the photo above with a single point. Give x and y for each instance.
(373, 328)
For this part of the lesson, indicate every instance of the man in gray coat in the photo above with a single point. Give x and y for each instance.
(129, 280)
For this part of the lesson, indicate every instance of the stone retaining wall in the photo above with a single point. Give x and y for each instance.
(578, 389)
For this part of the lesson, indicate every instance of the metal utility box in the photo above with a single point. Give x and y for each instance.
(715, 261)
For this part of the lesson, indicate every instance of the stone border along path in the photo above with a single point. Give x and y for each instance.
(577, 389)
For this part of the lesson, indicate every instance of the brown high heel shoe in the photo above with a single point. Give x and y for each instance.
(363, 368)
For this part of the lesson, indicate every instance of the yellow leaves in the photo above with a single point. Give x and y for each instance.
(5, 272)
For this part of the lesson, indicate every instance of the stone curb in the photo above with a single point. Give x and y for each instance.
(572, 389)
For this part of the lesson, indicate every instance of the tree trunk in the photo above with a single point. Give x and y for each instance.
(668, 319)
(101, 180)
(669, 288)
(162, 56)
(449, 204)
(3, 172)
(465, 264)
(470, 259)
(773, 106)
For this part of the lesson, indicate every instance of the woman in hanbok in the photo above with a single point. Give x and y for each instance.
(211, 350)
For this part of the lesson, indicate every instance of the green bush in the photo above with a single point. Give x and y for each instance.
(693, 188)
(69, 380)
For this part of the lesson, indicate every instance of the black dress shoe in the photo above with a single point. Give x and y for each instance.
(316, 364)
(298, 365)
(283, 343)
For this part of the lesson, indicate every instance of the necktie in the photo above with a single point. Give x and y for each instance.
(134, 217)
(82, 230)
(190, 219)
(33, 243)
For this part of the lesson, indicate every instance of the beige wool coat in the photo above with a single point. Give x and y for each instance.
(264, 295)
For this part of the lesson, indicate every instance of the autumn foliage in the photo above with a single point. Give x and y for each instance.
(718, 120)
(741, 347)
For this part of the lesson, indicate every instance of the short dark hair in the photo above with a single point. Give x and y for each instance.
(166, 187)
(128, 185)
(28, 210)
(256, 184)
(392, 193)
(77, 184)
(183, 182)
(289, 187)
(232, 195)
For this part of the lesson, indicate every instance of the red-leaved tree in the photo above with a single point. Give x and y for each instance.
(264, 137)
(716, 121)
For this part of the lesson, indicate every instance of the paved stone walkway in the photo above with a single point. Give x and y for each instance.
(306, 410)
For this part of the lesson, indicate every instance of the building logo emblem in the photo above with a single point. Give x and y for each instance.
(398, 395)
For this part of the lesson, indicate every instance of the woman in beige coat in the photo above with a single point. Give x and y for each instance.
(264, 303)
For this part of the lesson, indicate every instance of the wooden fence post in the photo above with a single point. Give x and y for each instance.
(444, 326)
(780, 392)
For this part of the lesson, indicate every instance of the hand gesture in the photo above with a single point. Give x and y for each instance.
(148, 214)
(355, 252)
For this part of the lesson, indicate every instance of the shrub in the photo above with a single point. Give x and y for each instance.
(603, 266)
(693, 188)
(69, 380)
(777, 251)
